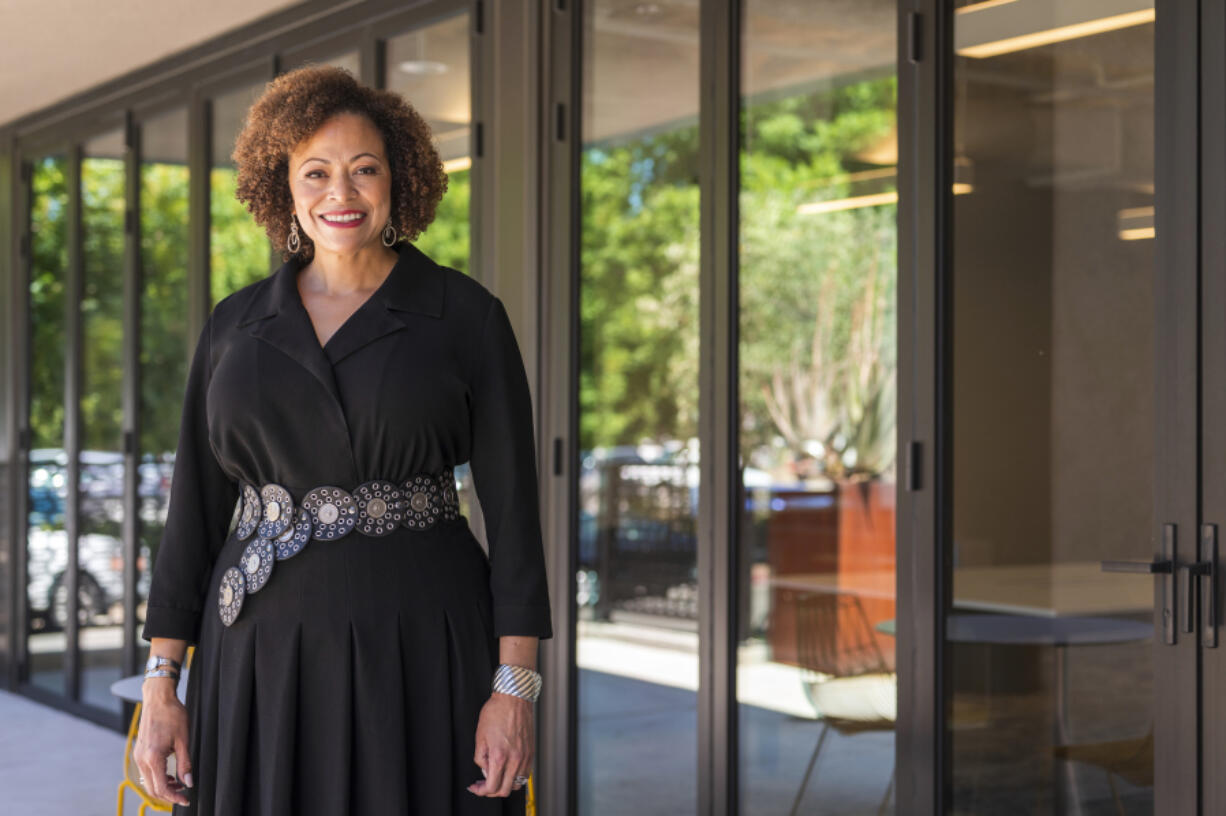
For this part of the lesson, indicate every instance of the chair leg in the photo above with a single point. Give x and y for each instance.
(1115, 794)
(881, 811)
(119, 806)
(804, 783)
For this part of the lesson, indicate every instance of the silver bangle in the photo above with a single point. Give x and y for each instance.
(157, 662)
(163, 673)
(518, 681)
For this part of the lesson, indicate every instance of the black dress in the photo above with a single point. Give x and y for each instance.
(351, 682)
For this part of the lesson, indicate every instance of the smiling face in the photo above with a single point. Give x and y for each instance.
(342, 186)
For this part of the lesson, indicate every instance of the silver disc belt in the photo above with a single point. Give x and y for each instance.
(280, 529)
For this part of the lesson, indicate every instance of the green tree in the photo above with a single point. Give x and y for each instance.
(447, 239)
(816, 290)
(49, 265)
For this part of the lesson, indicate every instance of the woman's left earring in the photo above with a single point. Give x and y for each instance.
(389, 235)
(294, 243)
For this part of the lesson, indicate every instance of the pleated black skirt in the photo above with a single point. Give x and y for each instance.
(350, 683)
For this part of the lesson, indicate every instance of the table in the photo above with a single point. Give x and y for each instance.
(128, 688)
(1036, 630)
(1075, 588)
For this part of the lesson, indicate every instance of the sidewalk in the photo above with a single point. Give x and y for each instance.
(55, 764)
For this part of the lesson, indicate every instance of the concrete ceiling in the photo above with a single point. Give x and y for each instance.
(52, 49)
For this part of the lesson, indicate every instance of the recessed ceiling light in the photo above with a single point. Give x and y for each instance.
(422, 67)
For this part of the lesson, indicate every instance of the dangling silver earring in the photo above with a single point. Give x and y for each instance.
(389, 234)
(294, 243)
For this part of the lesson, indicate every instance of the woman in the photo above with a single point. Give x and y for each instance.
(356, 651)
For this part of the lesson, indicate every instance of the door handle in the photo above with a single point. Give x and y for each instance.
(1206, 568)
(1186, 571)
(1164, 566)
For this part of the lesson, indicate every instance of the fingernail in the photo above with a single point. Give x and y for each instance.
(187, 777)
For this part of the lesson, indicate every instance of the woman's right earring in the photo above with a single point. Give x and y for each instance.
(294, 243)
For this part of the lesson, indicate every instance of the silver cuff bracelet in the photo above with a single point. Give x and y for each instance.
(157, 666)
(518, 681)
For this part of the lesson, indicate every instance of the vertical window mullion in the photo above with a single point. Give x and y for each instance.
(718, 508)
(72, 419)
(131, 391)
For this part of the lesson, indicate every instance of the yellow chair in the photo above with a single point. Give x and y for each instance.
(530, 808)
(131, 774)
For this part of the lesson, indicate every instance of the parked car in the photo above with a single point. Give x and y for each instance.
(99, 547)
(99, 578)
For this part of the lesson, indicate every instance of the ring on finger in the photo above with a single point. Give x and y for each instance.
(519, 781)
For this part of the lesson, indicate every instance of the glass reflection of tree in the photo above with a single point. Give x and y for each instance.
(639, 309)
(818, 288)
(101, 308)
(446, 240)
(239, 251)
(49, 250)
(164, 339)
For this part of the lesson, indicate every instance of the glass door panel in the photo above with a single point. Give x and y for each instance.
(816, 684)
(164, 341)
(429, 67)
(47, 480)
(1050, 673)
(636, 587)
(239, 251)
(100, 550)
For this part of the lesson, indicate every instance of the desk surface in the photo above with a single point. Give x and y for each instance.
(128, 688)
(1045, 590)
(1038, 631)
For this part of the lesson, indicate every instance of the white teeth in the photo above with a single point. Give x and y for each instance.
(343, 218)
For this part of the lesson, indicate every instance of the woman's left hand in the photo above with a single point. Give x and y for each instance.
(504, 744)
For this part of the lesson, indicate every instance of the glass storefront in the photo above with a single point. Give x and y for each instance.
(1045, 309)
(637, 587)
(1053, 412)
(46, 538)
(239, 251)
(164, 320)
(101, 506)
(430, 68)
(816, 681)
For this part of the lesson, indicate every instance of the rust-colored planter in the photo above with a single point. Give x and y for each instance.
(827, 536)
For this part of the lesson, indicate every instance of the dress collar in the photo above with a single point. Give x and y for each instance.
(415, 284)
(277, 316)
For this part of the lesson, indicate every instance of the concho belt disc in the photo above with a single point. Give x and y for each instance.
(424, 502)
(230, 595)
(278, 510)
(251, 512)
(381, 507)
(333, 512)
(256, 563)
(296, 537)
(451, 501)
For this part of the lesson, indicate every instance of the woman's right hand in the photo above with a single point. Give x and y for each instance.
(162, 732)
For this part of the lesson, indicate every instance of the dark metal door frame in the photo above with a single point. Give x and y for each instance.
(1176, 706)
(925, 71)
(1212, 248)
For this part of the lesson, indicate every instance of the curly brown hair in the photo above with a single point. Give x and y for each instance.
(295, 105)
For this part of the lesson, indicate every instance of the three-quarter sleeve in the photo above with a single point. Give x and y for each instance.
(503, 463)
(202, 499)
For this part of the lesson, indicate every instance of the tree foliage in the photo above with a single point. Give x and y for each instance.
(816, 290)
